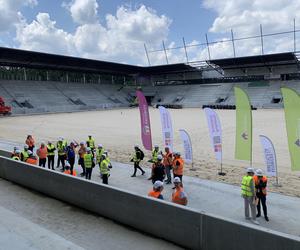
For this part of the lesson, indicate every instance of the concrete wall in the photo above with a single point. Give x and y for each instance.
(183, 226)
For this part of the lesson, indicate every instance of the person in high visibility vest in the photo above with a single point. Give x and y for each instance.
(14, 152)
(158, 187)
(51, 154)
(178, 164)
(81, 153)
(88, 163)
(99, 153)
(178, 195)
(248, 193)
(42, 154)
(107, 158)
(30, 142)
(90, 142)
(32, 159)
(168, 162)
(61, 151)
(104, 169)
(136, 159)
(17, 155)
(260, 182)
(68, 170)
(24, 154)
(155, 153)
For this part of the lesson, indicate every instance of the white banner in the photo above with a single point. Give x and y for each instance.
(167, 128)
(215, 132)
(270, 156)
(187, 145)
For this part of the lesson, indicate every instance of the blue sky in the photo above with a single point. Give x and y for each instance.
(116, 30)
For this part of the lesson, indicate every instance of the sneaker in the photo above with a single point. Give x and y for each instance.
(266, 218)
(133, 175)
(255, 222)
(258, 215)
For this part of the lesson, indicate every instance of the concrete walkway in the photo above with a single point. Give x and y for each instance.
(209, 196)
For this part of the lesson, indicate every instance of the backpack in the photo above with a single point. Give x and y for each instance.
(142, 155)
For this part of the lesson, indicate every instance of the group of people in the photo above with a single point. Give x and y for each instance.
(163, 164)
(88, 156)
(254, 192)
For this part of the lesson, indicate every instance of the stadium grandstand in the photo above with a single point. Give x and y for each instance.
(33, 82)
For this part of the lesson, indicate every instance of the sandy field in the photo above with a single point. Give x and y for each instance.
(119, 130)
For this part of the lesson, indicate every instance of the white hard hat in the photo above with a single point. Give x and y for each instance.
(29, 152)
(136, 145)
(42, 143)
(26, 147)
(18, 151)
(82, 143)
(104, 155)
(158, 184)
(159, 157)
(250, 170)
(60, 139)
(259, 172)
(105, 152)
(100, 146)
(156, 146)
(177, 180)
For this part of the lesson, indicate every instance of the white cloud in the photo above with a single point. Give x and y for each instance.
(120, 39)
(9, 12)
(83, 11)
(245, 16)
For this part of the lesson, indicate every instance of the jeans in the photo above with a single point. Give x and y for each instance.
(262, 200)
(72, 162)
(137, 166)
(88, 173)
(42, 162)
(61, 159)
(51, 161)
(168, 173)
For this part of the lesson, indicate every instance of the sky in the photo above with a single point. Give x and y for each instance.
(115, 30)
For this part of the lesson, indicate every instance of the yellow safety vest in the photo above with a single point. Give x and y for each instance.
(61, 148)
(91, 143)
(247, 186)
(50, 149)
(104, 167)
(16, 158)
(154, 155)
(25, 155)
(99, 153)
(88, 159)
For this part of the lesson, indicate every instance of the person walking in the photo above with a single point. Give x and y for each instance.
(90, 143)
(30, 142)
(61, 151)
(71, 155)
(136, 159)
(260, 182)
(51, 155)
(178, 195)
(88, 163)
(81, 153)
(104, 169)
(167, 162)
(42, 153)
(158, 170)
(248, 193)
(178, 165)
(24, 154)
(158, 187)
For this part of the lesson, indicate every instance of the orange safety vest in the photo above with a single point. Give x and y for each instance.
(154, 194)
(69, 172)
(178, 170)
(256, 183)
(167, 159)
(42, 153)
(30, 142)
(32, 161)
(176, 196)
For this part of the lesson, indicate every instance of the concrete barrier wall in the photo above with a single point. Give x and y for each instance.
(186, 227)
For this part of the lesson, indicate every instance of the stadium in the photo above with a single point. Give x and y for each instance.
(55, 95)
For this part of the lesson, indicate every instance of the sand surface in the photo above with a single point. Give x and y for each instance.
(119, 130)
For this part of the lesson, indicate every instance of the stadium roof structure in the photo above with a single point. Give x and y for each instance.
(31, 59)
(288, 58)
